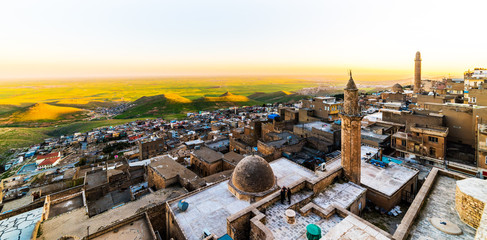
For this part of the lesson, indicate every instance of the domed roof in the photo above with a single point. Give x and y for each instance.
(253, 174)
(397, 88)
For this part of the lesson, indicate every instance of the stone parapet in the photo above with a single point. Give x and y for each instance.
(470, 199)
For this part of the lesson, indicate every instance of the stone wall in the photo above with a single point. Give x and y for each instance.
(409, 119)
(267, 128)
(37, 204)
(402, 230)
(258, 230)
(469, 209)
(239, 147)
(351, 146)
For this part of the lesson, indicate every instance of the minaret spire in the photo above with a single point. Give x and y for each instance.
(351, 132)
(351, 84)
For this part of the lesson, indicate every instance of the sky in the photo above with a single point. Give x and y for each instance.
(377, 38)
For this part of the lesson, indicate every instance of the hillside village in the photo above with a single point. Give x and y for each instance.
(396, 164)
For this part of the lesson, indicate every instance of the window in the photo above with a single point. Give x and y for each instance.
(485, 159)
(433, 139)
(403, 143)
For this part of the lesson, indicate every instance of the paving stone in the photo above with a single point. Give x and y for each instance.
(12, 235)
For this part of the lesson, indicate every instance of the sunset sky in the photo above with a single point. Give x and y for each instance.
(42, 39)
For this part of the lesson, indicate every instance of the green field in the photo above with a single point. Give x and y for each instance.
(16, 137)
(93, 92)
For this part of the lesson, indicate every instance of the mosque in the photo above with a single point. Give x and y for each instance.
(326, 203)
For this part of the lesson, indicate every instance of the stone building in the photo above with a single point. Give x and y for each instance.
(151, 148)
(279, 143)
(247, 205)
(289, 114)
(351, 137)
(421, 100)
(163, 172)
(455, 86)
(252, 133)
(481, 149)
(206, 162)
(422, 140)
(409, 118)
(231, 159)
(326, 135)
(322, 108)
(476, 97)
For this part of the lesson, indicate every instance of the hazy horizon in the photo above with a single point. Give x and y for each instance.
(377, 39)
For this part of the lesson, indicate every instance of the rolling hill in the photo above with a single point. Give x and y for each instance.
(279, 96)
(44, 111)
(156, 106)
(173, 105)
(227, 97)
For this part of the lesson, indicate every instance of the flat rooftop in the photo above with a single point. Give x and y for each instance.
(440, 203)
(208, 210)
(95, 179)
(342, 194)
(66, 206)
(385, 180)
(352, 228)
(322, 126)
(284, 136)
(139, 229)
(20, 226)
(168, 168)
(208, 155)
(277, 223)
(373, 117)
(75, 223)
(373, 136)
(288, 172)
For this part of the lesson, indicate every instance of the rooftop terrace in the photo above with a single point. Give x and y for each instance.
(322, 126)
(209, 209)
(75, 223)
(440, 203)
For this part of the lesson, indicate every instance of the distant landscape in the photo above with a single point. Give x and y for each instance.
(31, 110)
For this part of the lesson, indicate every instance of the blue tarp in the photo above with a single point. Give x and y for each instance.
(273, 116)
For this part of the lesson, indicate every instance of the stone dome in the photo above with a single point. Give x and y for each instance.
(253, 174)
(397, 88)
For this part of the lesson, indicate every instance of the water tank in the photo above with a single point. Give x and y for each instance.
(182, 205)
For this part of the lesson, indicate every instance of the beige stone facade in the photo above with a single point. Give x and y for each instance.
(469, 209)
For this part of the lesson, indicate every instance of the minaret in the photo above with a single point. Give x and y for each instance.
(351, 138)
(417, 73)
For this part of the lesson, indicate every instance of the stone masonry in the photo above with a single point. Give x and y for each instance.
(351, 136)
(469, 201)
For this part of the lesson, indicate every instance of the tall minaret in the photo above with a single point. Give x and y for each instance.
(417, 73)
(351, 138)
